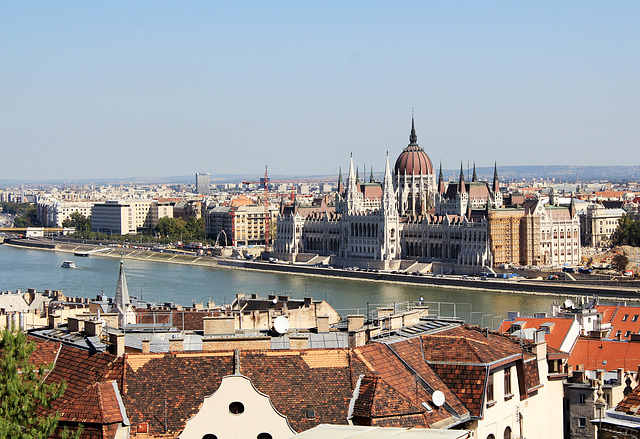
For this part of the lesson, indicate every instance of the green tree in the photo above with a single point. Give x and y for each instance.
(627, 233)
(79, 221)
(171, 228)
(23, 391)
(620, 262)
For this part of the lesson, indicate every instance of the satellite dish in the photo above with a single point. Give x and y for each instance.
(568, 303)
(438, 398)
(281, 325)
(274, 301)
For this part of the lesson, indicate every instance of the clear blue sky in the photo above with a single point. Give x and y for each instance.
(99, 89)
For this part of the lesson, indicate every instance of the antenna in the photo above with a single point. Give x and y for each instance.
(281, 325)
(438, 398)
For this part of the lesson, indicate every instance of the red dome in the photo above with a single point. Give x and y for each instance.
(413, 160)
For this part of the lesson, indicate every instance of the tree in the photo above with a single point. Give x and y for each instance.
(23, 391)
(79, 221)
(627, 233)
(620, 262)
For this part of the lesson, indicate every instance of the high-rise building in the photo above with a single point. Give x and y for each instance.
(202, 183)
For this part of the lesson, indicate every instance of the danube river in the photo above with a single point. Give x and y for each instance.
(159, 282)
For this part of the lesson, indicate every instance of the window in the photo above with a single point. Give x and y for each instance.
(209, 436)
(507, 382)
(236, 408)
(626, 316)
(582, 422)
(490, 389)
(626, 334)
(581, 398)
(507, 433)
(264, 436)
(635, 318)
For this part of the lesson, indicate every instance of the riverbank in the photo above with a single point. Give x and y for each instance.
(539, 287)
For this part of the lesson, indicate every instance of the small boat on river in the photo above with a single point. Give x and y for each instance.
(68, 264)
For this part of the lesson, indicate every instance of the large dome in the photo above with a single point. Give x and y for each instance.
(413, 160)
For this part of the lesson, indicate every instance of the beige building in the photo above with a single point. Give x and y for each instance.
(242, 225)
(514, 236)
(52, 212)
(125, 217)
(598, 224)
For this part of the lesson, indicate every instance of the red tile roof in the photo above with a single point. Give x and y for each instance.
(625, 319)
(605, 354)
(557, 335)
(631, 403)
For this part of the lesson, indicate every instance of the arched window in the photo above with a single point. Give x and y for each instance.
(507, 433)
(491, 437)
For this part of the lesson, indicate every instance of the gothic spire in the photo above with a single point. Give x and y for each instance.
(413, 138)
(461, 186)
(340, 185)
(441, 188)
(496, 183)
(475, 176)
(371, 176)
(388, 193)
(357, 175)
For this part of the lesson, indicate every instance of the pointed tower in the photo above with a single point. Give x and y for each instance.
(340, 183)
(357, 175)
(496, 183)
(371, 180)
(441, 188)
(389, 205)
(122, 301)
(461, 184)
(474, 178)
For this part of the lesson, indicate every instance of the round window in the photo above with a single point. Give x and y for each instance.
(236, 407)
(264, 436)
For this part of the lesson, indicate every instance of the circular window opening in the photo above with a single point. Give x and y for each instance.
(209, 436)
(236, 407)
(264, 436)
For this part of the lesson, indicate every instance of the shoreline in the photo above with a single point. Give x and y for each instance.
(529, 287)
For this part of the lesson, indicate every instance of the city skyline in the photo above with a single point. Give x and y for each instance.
(156, 89)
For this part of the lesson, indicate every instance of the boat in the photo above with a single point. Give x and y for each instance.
(68, 264)
(83, 254)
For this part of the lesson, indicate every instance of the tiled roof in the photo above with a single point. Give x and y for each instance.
(399, 385)
(467, 382)
(605, 354)
(296, 381)
(531, 375)
(625, 319)
(45, 352)
(631, 403)
(557, 335)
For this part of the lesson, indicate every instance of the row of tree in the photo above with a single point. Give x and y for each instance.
(167, 230)
(26, 214)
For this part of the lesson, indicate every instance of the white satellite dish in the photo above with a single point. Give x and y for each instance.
(274, 301)
(568, 303)
(281, 325)
(438, 398)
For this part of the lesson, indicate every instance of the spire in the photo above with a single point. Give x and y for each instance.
(388, 194)
(413, 138)
(357, 175)
(371, 180)
(340, 185)
(122, 299)
(441, 188)
(461, 185)
(496, 183)
(475, 176)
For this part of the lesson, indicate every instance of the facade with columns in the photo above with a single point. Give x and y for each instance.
(407, 216)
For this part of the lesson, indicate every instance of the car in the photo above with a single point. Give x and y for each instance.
(568, 270)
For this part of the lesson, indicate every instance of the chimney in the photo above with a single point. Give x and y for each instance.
(223, 325)
(176, 343)
(619, 375)
(307, 302)
(93, 327)
(323, 323)
(116, 343)
(146, 345)
(355, 322)
(53, 321)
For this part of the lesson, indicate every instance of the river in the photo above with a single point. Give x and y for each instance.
(23, 268)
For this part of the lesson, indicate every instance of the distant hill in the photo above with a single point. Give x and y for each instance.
(564, 173)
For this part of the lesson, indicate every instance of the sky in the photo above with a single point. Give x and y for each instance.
(115, 89)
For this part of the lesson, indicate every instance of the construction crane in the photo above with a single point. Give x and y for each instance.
(267, 222)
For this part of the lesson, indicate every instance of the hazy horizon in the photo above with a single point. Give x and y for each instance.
(114, 89)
